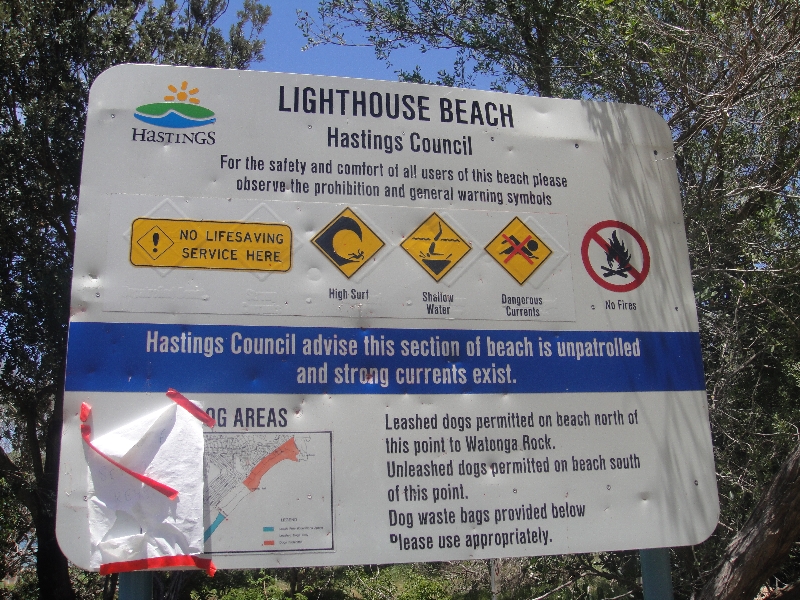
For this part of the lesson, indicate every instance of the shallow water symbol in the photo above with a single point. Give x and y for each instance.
(436, 246)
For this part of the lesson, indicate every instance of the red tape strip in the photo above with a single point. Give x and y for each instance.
(86, 433)
(190, 406)
(161, 562)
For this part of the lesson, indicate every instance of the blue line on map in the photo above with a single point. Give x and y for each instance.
(211, 528)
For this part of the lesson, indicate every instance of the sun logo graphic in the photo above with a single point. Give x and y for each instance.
(180, 110)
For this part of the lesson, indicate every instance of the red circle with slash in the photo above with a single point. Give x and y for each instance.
(638, 276)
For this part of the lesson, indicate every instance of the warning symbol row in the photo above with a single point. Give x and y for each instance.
(435, 246)
(614, 254)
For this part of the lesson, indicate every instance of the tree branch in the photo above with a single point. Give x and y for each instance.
(17, 482)
(764, 541)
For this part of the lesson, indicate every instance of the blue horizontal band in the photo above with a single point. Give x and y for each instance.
(141, 357)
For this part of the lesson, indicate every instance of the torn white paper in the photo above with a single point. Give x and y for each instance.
(129, 520)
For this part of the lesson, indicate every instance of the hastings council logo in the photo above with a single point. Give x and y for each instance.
(180, 110)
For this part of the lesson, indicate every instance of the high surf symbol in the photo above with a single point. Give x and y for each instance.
(174, 112)
(341, 241)
(347, 242)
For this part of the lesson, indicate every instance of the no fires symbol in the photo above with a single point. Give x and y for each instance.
(610, 262)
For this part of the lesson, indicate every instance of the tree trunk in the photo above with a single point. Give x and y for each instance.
(789, 592)
(110, 586)
(169, 586)
(52, 568)
(765, 540)
(51, 564)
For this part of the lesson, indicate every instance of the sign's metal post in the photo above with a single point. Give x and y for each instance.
(137, 585)
(656, 576)
(493, 576)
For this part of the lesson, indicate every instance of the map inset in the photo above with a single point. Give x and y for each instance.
(267, 492)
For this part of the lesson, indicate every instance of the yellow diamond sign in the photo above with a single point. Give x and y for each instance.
(154, 242)
(518, 250)
(436, 246)
(347, 242)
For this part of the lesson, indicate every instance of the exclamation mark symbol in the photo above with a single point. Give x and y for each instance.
(155, 242)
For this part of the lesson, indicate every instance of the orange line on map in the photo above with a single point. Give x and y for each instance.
(286, 451)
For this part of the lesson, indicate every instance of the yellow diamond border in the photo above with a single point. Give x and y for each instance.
(328, 226)
(524, 224)
(411, 235)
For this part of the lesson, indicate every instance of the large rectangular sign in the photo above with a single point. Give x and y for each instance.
(403, 322)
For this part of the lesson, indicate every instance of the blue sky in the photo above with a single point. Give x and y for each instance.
(284, 42)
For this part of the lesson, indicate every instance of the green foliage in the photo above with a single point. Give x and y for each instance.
(23, 586)
(16, 534)
(50, 52)
(518, 579)
(724, 75)
(402, 582)
(240, 585)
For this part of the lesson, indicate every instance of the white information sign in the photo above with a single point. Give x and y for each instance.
(412, 323)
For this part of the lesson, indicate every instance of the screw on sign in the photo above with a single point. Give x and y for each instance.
(613, 264)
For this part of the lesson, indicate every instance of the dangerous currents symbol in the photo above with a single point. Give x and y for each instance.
(347, 242)
(518, 250)
(615, 256)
